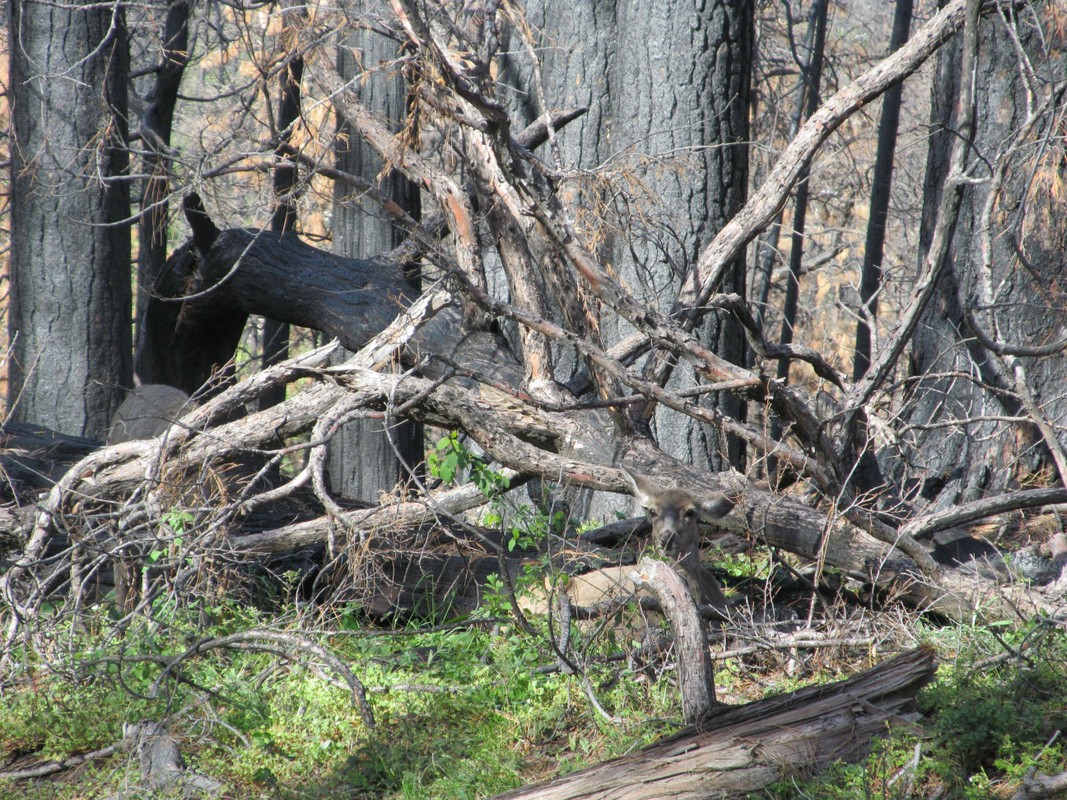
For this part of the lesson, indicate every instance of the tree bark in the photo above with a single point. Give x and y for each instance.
(157, 121)
(69, 313)
(369, 456)
(741, 750)
(635, 69)
(986, 369)
(286, 184)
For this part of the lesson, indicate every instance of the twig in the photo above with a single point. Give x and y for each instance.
(52, 767)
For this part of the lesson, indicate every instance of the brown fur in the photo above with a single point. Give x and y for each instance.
(675, 516)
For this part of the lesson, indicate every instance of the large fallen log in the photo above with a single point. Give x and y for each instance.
(780, 521)
(740, 750)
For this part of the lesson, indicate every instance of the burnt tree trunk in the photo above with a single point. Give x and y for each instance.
(634, 69)
(874, 247)
(286, 186)
(369, 456)
(987, 349)
(813, 82)
(157, 122)
(69, 307)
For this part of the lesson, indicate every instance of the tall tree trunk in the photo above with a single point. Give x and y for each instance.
(70, 256)
(813, 79)
(990, 345)
(871, 276)
(283, 220)
(857, 443)
(767, 253)
(366, 458)
(667, 89)
(157, 121)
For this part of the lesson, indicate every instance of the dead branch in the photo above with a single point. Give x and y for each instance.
(696, 673)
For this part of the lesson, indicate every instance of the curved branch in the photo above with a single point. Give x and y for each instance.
(766, 201)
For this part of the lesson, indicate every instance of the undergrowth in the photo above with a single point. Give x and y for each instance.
(465, 712)
(461, 712)
(261, 700)
(994, 715)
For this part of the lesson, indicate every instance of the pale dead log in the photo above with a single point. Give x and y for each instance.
(161, 763)
(696, 673)
(52, 767)
(410, 514)
(1042, 786)
(741, 750)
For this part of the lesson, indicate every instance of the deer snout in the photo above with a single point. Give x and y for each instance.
(674, 539)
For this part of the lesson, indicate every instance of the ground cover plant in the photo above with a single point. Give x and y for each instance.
(476, 707)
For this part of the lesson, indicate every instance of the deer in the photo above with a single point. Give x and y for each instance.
(675, 515)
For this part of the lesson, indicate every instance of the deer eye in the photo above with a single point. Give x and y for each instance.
(690, 513)
(652, 513)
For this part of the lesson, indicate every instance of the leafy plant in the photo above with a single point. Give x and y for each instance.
(450, 458)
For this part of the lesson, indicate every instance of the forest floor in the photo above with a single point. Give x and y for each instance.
(476, 707)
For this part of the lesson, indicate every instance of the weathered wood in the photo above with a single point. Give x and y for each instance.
(696, 673)
(779, 520)
(742, 749)
(33, 458)
(162, 765)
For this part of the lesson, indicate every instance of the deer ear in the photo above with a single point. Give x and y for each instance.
(716, 506)
(640, 486)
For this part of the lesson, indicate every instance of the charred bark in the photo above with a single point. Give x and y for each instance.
(157, 122)
(985, 370)
(369, 456)
(69, 304)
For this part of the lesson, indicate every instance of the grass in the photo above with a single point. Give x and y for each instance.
(460, 713)
(466, 713)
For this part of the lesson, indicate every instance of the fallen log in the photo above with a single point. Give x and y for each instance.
(33, 458)
(742, 749)
(780, 521)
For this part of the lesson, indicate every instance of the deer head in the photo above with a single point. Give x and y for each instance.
(675, 514)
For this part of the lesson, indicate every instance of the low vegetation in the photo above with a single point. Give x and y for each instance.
(476, 707)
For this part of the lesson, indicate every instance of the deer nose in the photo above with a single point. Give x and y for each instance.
(667, 539)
